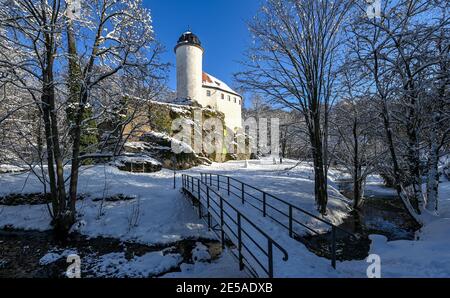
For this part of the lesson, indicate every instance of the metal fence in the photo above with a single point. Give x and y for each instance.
(283, 213)
(254, 248)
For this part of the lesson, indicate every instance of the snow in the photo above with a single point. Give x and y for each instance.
(444, 198)
(53, 256)
(136, 159)
(116, 265)
(429, 256)
(375, 186)
(295, 186)
(158, 214)
(216, 83)
(6, 168)
(200, 253)
(176, 145)
(161, 212)
(224, 267)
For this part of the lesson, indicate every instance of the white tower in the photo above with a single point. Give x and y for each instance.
(189, 54)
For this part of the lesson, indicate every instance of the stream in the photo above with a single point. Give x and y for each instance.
(22, 250)
(381, 213)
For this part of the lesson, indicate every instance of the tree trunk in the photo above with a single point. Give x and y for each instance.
(433, 174)
(49, 143)
(414, 158)
(357, 194)
(321, 194)
(78, 96)
(54, 157)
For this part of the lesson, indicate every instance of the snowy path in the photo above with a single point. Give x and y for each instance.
(301, 262)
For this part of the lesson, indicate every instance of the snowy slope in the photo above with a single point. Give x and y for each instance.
(292, 184)
(160, 213)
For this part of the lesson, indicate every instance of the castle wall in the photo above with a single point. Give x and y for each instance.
(189, 72)
(230, 105)
(190, 86)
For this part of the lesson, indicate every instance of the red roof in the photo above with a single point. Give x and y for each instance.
(206, 78)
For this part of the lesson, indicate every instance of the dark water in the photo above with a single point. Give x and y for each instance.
(379, 214)
(21, 251)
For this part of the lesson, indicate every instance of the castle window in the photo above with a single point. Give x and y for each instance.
(235, 100)
(239, 101)
(229, 98)
(208, 92)
(223, 96)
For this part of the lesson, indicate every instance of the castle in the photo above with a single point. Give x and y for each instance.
(196, 85)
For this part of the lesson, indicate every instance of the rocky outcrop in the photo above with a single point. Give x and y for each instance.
(158, 137)
(159, 147)
(138, 163)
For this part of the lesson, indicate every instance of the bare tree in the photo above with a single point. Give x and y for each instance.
(394, 49)
(292, 63)
(117, 41)
(355, 131)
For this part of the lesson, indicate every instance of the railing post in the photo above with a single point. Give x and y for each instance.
(333, 247)
(242, 195)
(207, 208)
(222, 233)
(264, 204)
(174, 179)
(210, 179)
(290, 221)
(239, 235)
(270, 256)
(218, 184)
(228, 185)
(200, 204)
(198, 189)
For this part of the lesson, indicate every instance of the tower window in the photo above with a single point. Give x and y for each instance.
(239, 101)
(208, 92)
(222, 96)
(229, 98)
(235, 100)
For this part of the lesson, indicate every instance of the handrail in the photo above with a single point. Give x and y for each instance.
(265, 205)
(195, 186)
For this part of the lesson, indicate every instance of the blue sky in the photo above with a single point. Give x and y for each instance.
(220, 25)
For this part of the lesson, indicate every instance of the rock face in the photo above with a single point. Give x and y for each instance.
(157, 139)
(162, 115)
(138, 163)
(158, 146)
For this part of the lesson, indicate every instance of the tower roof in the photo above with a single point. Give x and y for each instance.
(189, 38)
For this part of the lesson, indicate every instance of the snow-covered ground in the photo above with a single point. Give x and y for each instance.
(288, 181)
(160, 214)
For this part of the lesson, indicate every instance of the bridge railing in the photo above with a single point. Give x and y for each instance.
(280, 211)
(255, 248)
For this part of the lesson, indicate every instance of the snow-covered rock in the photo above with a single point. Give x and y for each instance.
(200, 253)
(138, 163)
(150, 264)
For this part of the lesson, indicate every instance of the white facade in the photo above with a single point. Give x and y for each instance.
(189, 71)
(208, 91)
